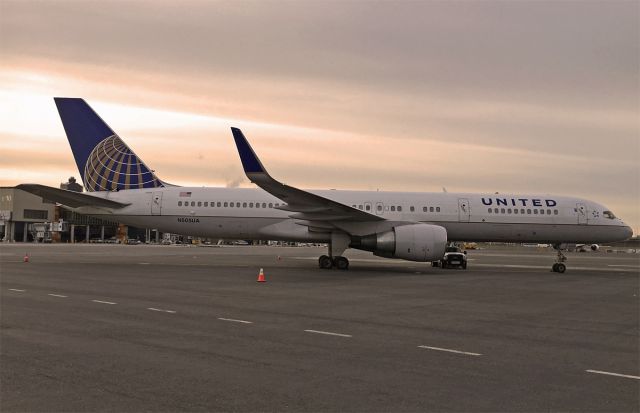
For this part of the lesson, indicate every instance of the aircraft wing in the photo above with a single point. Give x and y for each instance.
(69, 198)
(305, 205)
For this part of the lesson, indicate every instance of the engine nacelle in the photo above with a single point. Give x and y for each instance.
(415, 242)
(595, 247)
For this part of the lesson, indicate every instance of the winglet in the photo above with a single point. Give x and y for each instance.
(250, 161)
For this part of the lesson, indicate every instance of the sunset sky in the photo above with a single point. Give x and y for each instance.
(524, 97)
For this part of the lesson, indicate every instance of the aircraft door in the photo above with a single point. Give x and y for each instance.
(379, 208)
(581, 209)
(156, 203)
(464, 210)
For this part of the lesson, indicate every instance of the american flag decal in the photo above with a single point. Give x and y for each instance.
(187, 194)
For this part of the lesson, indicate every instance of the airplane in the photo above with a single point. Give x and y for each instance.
(412, 226)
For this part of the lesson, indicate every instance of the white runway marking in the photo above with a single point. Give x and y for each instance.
(328, 333)
(103, 302)
(626, 376)
(58, 295)
(233, 320)
(161, 310)
(144, 263)
(448, 350)
(622, 265)
(16, 290)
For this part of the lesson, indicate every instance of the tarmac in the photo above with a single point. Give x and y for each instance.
(177, 328)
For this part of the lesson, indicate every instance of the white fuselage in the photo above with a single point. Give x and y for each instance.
(238, 213)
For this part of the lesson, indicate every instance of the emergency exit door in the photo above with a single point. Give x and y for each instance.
(464, 211)
(156, 203)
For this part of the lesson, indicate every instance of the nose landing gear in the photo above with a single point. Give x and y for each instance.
(559, 266)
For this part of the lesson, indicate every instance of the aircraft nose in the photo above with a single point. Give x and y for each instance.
(628, 232)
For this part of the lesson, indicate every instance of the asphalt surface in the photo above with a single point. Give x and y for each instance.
(169, 328)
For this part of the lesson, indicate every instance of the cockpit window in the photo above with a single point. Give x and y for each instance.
(609, 214)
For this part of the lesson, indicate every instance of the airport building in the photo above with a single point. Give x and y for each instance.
(25, 217)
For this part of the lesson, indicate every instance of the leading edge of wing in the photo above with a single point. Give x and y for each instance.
(69, 198)
(298, 200)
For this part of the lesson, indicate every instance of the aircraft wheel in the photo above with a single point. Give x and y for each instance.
(560, 267)
(341, 263)
(325, 262)
(435, 263)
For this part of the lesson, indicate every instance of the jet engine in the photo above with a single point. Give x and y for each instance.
(414, 242)
(595, 247)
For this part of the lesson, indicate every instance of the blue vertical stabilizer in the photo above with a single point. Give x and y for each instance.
(104, 161)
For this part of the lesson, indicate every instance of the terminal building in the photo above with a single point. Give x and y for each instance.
(25, 217)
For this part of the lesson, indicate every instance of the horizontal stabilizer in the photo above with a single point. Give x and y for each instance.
(69, 198)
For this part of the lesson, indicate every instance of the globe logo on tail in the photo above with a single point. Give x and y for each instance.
(113, 166)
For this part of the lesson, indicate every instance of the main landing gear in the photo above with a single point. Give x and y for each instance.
(559, 266)
(339, 243)
(326, 262)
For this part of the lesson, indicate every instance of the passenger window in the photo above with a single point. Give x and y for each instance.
(270, 205)
(548, 212)
(489, 210)
(399, 208)
(193, 203)
(359, 206)
(238, 205)
(515, 211)
(206, 204)
(232, 204)
(502, 210)
(219, 204)
(179, 203)
(199, 203)
(412, 209)
(437, 209)
(522, 211)
(393, 208)
(528, 211)
(555, 212)
(367, 207)
(424, 209)
(244, 205)
(431, 209)
(380, 208)
(264, 205)
(353, 206)
(226, 204)
(495, 210)
(509, 211)
(535, 212)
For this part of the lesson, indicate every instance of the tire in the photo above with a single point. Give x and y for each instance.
(561, 268)
(554, 267)
(325, 262)
(341, 263)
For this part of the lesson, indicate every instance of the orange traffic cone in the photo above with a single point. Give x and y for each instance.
(26, 257)
(261, 278)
